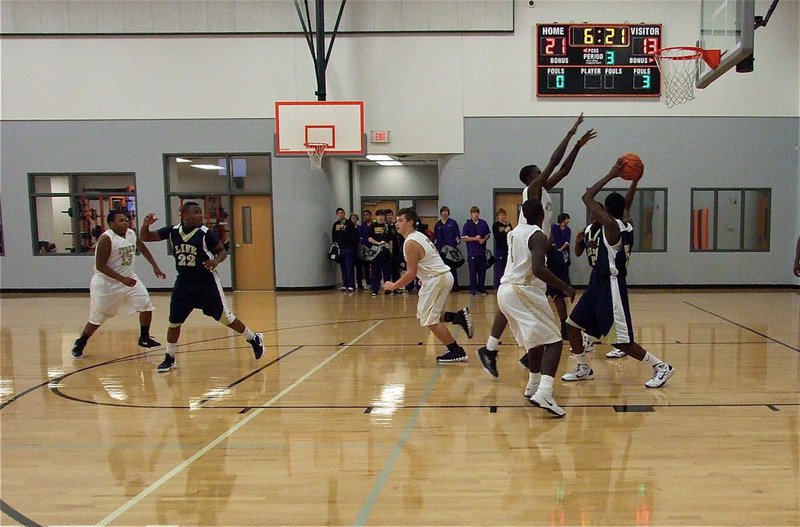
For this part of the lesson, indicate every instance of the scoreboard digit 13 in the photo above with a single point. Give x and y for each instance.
(597, 60)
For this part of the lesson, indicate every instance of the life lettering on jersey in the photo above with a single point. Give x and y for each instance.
(340, 226)
(186, 255)
(379, 230)
(126, 254)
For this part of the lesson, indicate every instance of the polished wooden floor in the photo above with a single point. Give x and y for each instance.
(348, 420)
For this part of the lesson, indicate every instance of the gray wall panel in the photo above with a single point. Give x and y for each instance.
(679, 153)
(138, 147)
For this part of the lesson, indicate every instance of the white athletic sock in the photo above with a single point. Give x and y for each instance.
(546, 385)
(492, 343)
(581, 358)
(534, 378)
(249, 335)
(171, 348)
(652, 360)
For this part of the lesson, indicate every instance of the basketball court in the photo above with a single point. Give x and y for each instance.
(347, 419)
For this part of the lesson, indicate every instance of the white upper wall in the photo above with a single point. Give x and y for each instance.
(418, 86)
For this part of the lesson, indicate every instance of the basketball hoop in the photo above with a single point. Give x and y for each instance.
(315, 153)
(679, 66)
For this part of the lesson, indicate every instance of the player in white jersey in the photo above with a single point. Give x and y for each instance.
(115, 284)
(537, 184)
(522, 299)
(423, 262)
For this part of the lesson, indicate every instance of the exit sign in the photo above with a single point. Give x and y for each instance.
(379, 136)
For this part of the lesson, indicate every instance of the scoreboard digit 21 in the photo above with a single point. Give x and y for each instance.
(597, 60)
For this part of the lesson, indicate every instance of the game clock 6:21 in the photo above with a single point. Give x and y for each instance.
(597, 60)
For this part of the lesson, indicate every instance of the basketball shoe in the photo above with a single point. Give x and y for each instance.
(148, 342)
(489, 360)
(661, 374)
(615, 354)
(547, 402)
(258, 345)
(582, 373)
(458, 355)
(168, 364)
(463, 318)
(77, 348)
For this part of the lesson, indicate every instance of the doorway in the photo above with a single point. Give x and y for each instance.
(252, 243)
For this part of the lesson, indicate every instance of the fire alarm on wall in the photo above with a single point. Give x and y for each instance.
(379, 136)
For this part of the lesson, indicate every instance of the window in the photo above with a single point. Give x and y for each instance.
(211, 180)
(68, 211)
(648, 215)
(728, 219)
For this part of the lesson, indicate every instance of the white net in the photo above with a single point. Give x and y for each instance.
(678, 73)
(315, 153)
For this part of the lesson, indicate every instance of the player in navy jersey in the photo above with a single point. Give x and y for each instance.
(198, 252)
(588, 241)
(603, 311)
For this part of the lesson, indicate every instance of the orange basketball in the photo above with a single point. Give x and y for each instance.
(632, 167)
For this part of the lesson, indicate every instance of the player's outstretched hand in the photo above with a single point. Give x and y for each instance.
(150, 219)
(389, 286)
(127, 280)
(585, 138)
(158, 272)
(578, 122)
(570, 293)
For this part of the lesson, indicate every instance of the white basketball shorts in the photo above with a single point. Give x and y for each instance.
(108, 296)
(432, 297)
(529, 315)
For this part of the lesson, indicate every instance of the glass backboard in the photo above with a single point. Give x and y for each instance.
(726, 25)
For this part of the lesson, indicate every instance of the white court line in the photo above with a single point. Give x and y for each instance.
(200, 453)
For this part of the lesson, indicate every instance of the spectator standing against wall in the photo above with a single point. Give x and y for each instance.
(500, 231)
(343, 233)
(476, 233)
(446, 234)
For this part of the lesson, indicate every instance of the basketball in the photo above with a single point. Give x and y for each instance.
(632, 167)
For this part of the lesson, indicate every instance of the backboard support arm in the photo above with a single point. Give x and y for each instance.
(319, 55)
(761, 21)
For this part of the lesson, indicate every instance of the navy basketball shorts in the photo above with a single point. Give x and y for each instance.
(190, 294)
(603, 312)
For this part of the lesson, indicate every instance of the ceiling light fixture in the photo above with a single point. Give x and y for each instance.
(390, 163)
(379, 157)
(182, 160)
(209, 167)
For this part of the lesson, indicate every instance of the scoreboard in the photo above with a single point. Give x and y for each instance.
(597, 60)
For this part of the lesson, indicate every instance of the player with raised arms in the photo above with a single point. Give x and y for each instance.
(537, 184)
(423, 262)
(603, 311)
